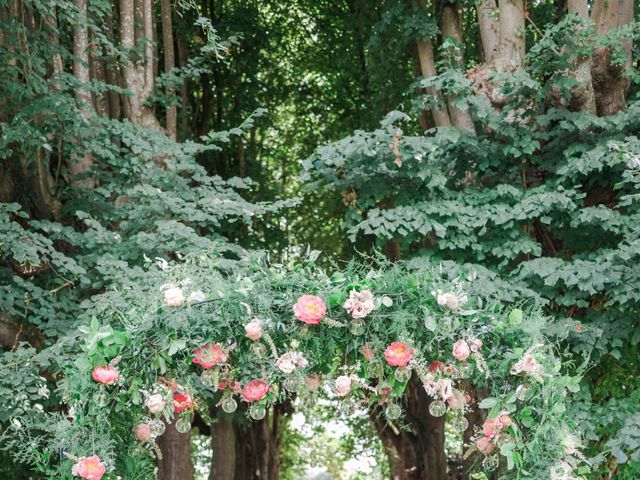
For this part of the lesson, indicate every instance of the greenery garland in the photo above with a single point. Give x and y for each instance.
(192, 336)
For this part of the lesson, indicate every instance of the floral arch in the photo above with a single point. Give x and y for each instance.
(192, 336)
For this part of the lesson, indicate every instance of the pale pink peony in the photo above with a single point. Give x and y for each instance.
(451, 301)
(491, 427)
(312, 382)
(310, 309)
(485, 445)
(89, 468)
(359, 304)
(173, 296)
(289, 361)
(343, 385)
(505, 420)
(527, 364)
(142, 432)
(461, 350)
(445, 386)
(182, 402)
(106, 374)
(255, 390)
(210, 355)
(475, 344)
(398, 354)
(253, 330)
(155, 403)
(457, 401)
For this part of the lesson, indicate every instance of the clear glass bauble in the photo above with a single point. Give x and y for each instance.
(357, 328)
(459, 423)
(156, 427)
(229, 405)
(346, 407)
(292, 383)
(257, 411)
(101, 398)
(491, 463)
(258, 349)
(437, 408)
(393, 411)
(465, 370)
(210, 378)
(402, 374)
(183, 425)
(375, 369)
(430, 323)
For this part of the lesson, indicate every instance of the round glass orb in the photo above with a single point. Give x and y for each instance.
(183, 425)
(101, 398)
(375, 369)
(459, 423)
(465, 370)
(393, 411)
(402, 374)
(346, 407)
(156, 427)
(292, 383)
(437, 408)
(357, 328)
(210, 378)
(430, 323)
(489, 464)
(229, 405)
(258, 349)
(257, 411)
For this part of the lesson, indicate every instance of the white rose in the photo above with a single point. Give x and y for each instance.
(343, 385)
(173, 296)
(450, 300)
(197, 296)
(155, 403)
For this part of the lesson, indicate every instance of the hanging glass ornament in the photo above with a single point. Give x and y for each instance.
(258, 349)
(437, 408)
(156, 427)
(183, 425)
(229, 405)
(357, 328)
(459, 423)
(430, 323)
(465, 370)
(402, 374)
(210, 378)
(257, 411)
(393, 411)
(101, 398)
(292, 383)
(375, 369)
(489, 464)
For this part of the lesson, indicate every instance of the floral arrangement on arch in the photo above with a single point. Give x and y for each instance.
(199, 337)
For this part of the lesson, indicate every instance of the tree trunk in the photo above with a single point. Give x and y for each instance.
(223, 443)
(428, 68)
(452, 28)
(98, 72)
(416, 454)
(169, 63)
(489, 29)
(582, 97)
(112, 76)
(610, 83)
(176, 463)
(511, 49)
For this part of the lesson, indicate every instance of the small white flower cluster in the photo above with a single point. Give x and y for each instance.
(360, 304)
(290, 361)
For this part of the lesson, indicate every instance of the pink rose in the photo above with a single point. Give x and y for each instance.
(253, 330)
(461, 350)
(255, 390)
(310, 309)
(527, 364)
(107, 375)
(89, 468)
(142, 432)
(312, 382)
(155, 403)
(457, 400)
(505, 420)
(343, 385)
(174, 297)
(475, 344)
(491, 427)
(398, 354)
(182, 402)
(485, 445)
(210, 355)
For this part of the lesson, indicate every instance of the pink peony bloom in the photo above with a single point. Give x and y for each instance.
(182, 402)
(485, 445)
(210, 355)
(491, 427)
(89, 468)
(312, 382)
(253, 330)
(174, 297)
(142, 432)
(398, 354)
(155, 403)
(255, 390)
(343, 385)
(106, 374)
(310, 309)
(461, 350)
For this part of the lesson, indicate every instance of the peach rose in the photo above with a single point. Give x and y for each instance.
(89, 468)
(155, 403)
(485, 445)
(253, 330)
(142, 432)
(255, 390)
(210, 355)
(106, 374)
(461, 350)
(398, 354)
(174, 297)
(312, 382)
(491, 427)
(310, 309)
(343, 385)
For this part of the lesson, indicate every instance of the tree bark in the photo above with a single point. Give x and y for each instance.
(511, 49)
(610, 83)
(169, 63)
(223, 442)
(489, 29)
(427, 62)
(582, 97)
(452, 28)
(176, 463)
